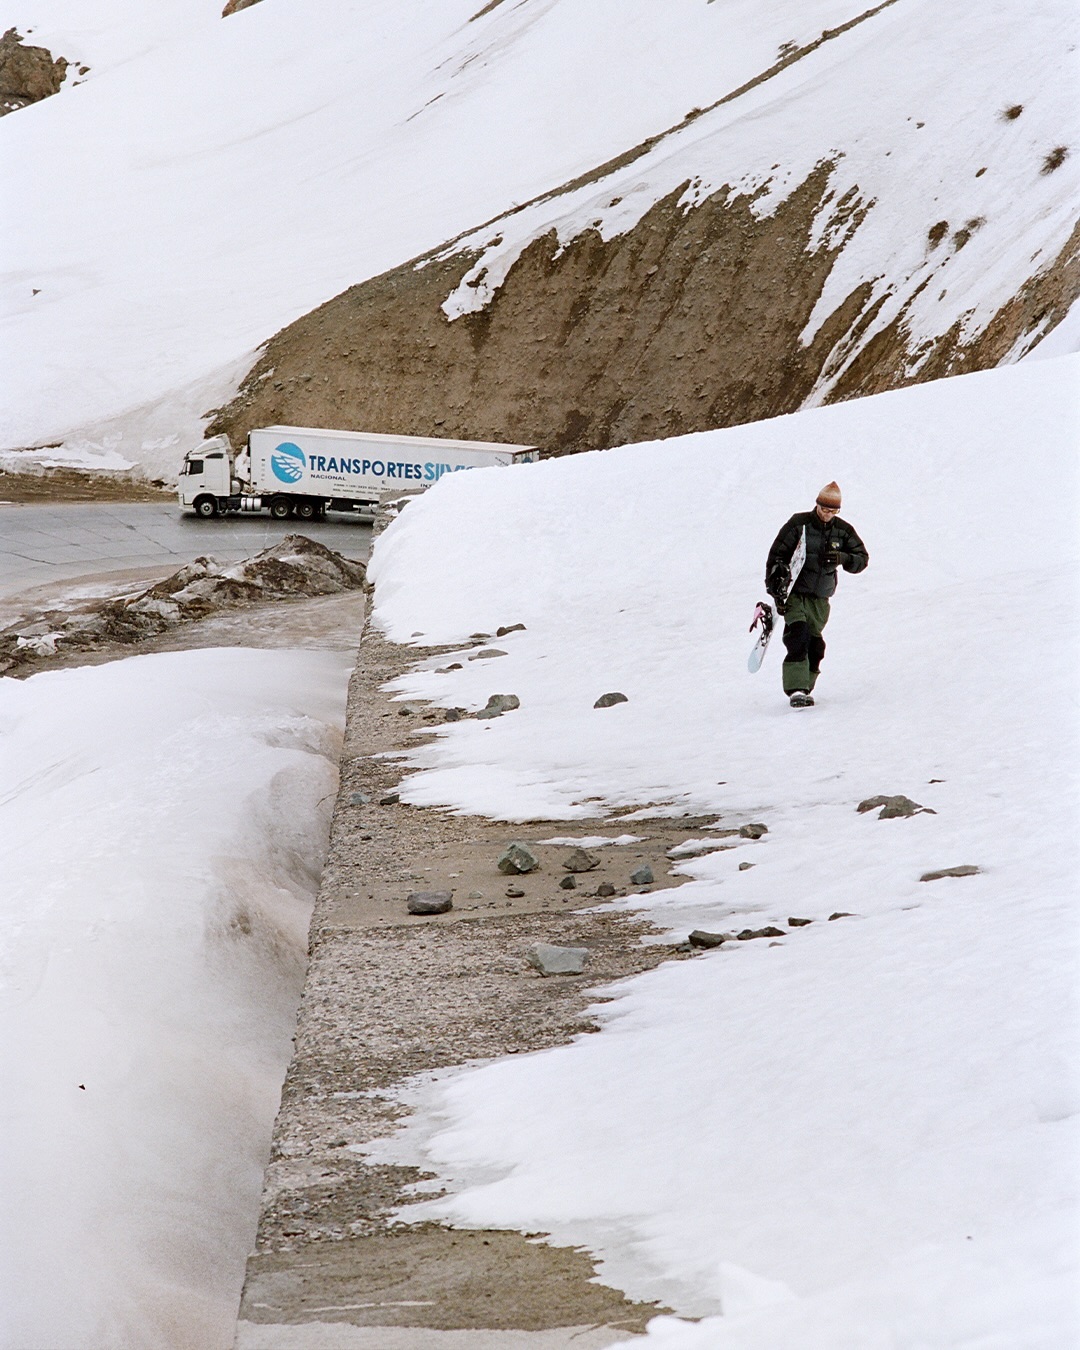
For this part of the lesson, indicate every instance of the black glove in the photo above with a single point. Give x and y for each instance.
(779, 603)
(837, 558)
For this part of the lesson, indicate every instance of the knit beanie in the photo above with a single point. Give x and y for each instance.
(829, 496)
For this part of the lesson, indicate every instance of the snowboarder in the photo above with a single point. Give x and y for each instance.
(803, 600)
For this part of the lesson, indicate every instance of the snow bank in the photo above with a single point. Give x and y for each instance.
(864, 1133)
(164, 821)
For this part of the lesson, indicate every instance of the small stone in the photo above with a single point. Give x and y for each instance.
(510, 628)
(479, 637)
(408, 710)
(514, 892)
(485, 654)
(700, 938)
(609, 700)
(745, 867)
(391, 799)
(840, 914)
(516, 859)
(753, 831)
(498, 704)
(893, 808)
(359, 798)
(748, 934)
(445, 670)
(455, 714)
(568, 884)
(643, 876)
(551, 960)
(605, 890)
(682, 947)
(577, 860)
(476, 895)
(430, 902)
(798, 923)
(967, 870)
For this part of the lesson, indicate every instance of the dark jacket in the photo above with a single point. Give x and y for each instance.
(818, 577)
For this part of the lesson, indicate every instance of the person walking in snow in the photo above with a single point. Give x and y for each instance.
(830, 543)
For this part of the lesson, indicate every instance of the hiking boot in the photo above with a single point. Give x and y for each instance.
(802, 698)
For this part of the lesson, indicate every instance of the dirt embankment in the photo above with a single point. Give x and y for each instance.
(689, 321)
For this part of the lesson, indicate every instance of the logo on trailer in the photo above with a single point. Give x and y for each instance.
(287, 462)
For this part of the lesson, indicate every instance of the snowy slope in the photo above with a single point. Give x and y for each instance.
(162, 820)
(211, 179)
(865, 1133)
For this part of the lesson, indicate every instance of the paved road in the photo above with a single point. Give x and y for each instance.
(42, 546)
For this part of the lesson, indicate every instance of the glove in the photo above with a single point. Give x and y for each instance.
(779, 603)
(837, 557)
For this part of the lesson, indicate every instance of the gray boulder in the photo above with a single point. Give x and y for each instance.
(609, 700)
(700, 938)
(430, 902)
(498, 704)
(643, 876)
(550, 960)
(517, 859)
(893, 808)
(510, 628)
(577, 860)
(753, 831)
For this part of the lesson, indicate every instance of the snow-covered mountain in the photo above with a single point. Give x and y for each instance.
(698, 213)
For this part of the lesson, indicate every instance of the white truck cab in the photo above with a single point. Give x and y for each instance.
(207, 479)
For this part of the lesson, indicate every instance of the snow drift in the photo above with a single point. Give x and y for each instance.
(864, 1132)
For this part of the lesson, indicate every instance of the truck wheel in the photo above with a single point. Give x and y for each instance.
(206, 507)
(279, 508)
(307, 510)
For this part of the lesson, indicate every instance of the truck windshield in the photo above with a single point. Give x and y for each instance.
(193, 466)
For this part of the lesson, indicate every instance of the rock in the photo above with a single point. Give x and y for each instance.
(577, 860)
(748, 934)
(605, 890)
(359, 798)
(234, 6)
(609, 700)
(430, 902)
(27, 74)
(514, 892)
(799, 923)
(476, 895)
(753, 831)
(391, 799)
(485, 654)
(893, 808)
(700, 938)
(840, 914)
(745, 867)
(408, 710)
(517, 859)
(550, 960)
(967, 870)
(568, 884)
(498, 704)
(455, 714)
(510, 628)
(643, 876)
(479, 637)
(445, 670)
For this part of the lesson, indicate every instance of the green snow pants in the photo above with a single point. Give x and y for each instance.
(804, 619)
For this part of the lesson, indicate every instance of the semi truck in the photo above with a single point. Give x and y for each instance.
(304, 472)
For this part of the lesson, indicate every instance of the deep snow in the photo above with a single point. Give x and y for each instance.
(210, 179)
(163, 822)
(864, 1134)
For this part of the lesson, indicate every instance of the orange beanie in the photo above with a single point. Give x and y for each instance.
(829, 496)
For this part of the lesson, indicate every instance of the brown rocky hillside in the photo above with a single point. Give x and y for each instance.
(689, 321)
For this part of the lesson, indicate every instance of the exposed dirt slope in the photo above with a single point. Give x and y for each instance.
(689, 321)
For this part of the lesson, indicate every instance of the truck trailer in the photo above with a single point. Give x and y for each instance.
(306, 471)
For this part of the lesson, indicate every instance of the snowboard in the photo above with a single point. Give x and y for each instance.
(763, 613)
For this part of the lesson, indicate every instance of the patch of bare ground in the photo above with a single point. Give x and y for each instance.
(77, 485)
(390, 995)
(689, 321)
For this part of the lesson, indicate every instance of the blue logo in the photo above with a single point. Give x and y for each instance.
(287, 462)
